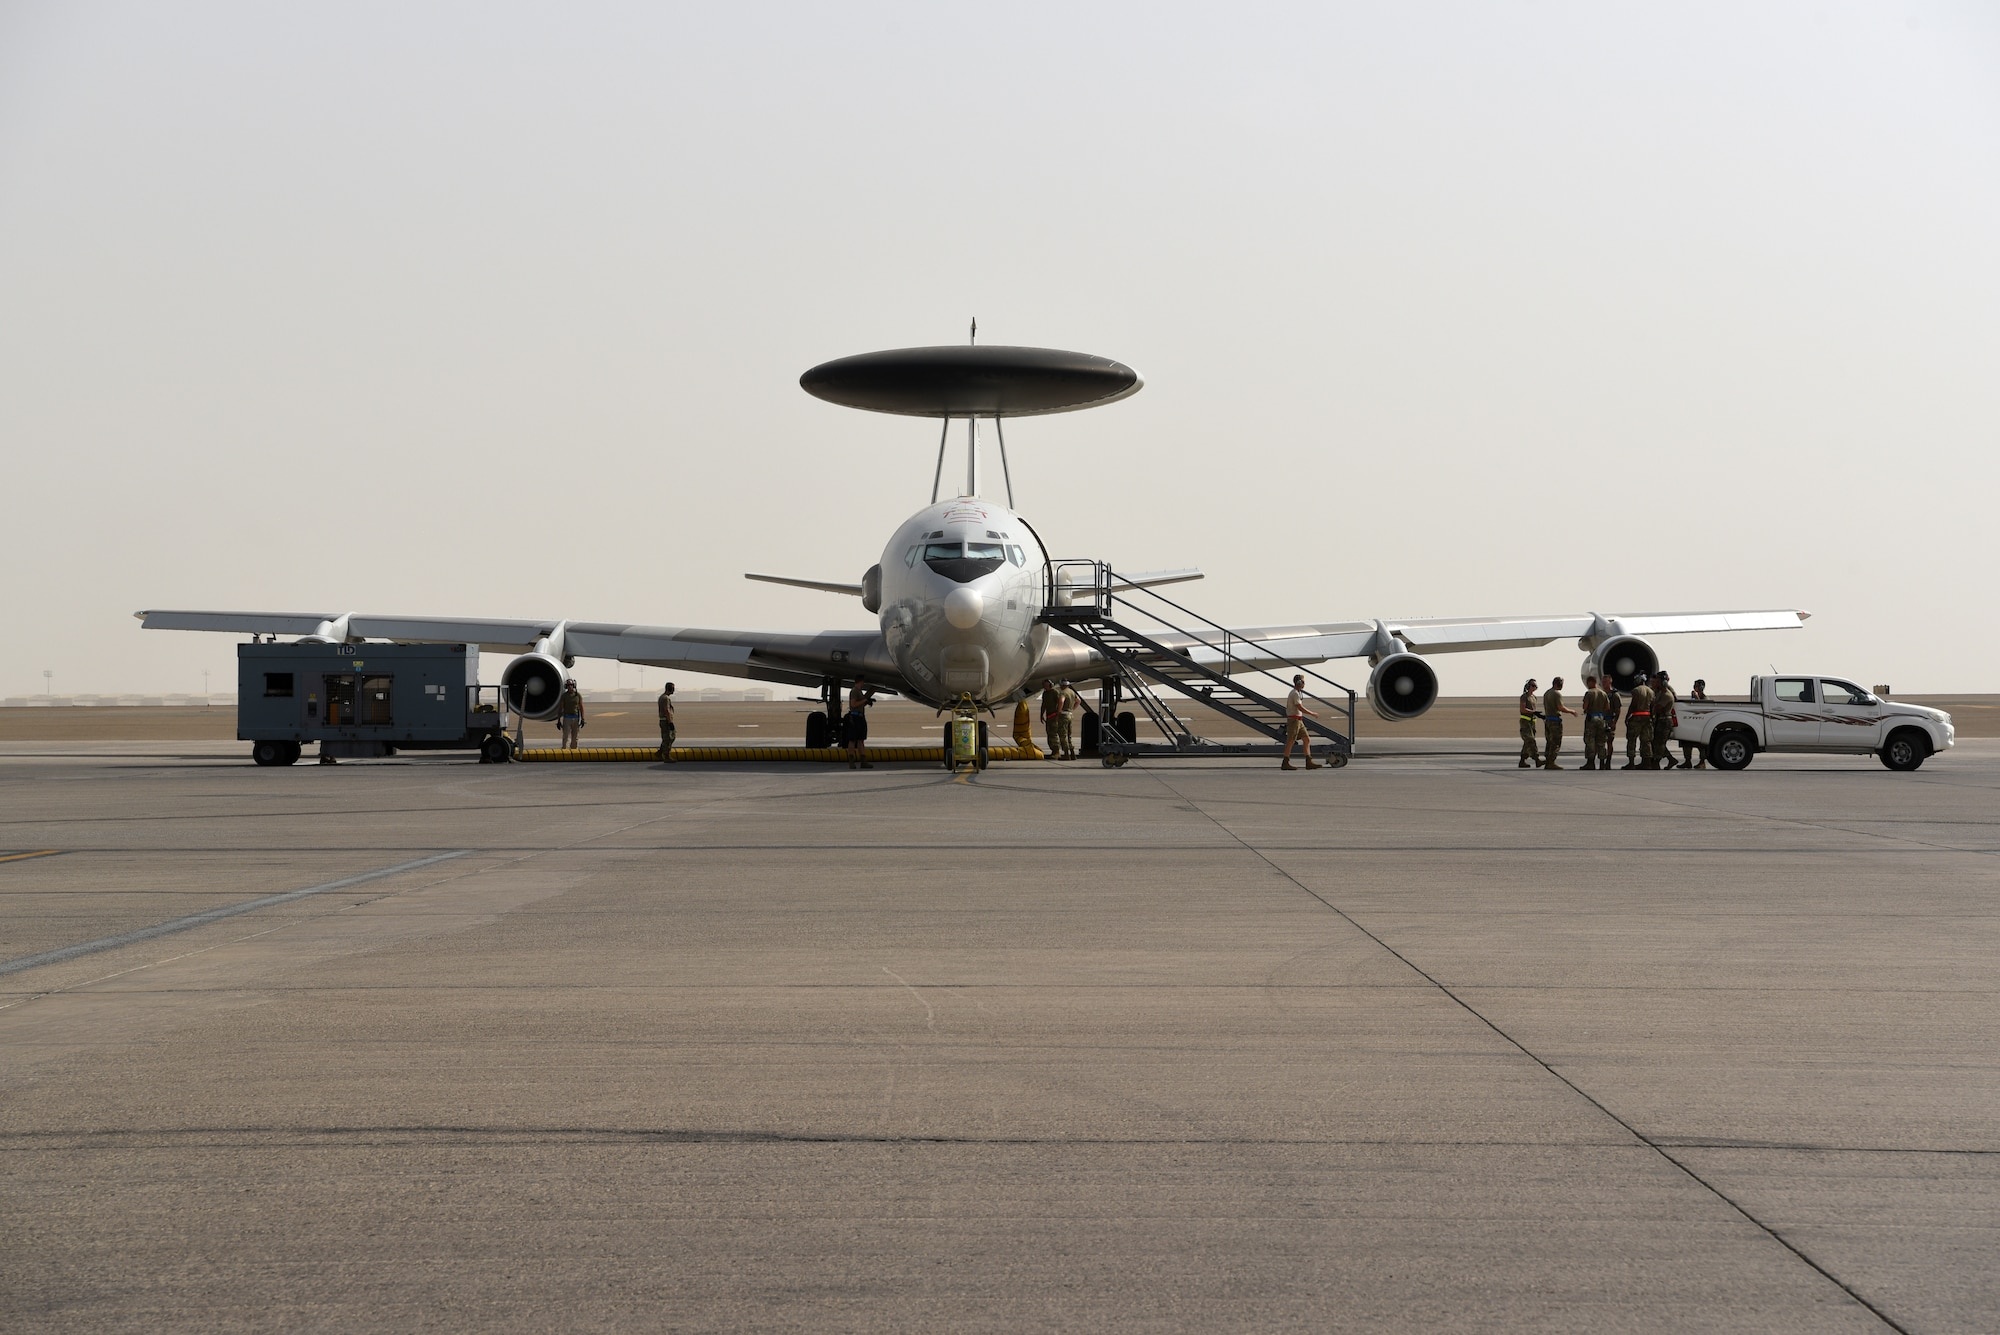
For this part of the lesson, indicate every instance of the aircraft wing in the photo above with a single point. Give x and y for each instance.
(1254, 647)
(797, 659)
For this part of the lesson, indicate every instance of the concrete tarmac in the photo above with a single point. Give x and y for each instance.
(1426, 1043)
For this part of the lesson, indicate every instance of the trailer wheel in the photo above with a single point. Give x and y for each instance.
(1732, 748)
(495, 750)
(264, 753)
(1905, 750)
(289, 753)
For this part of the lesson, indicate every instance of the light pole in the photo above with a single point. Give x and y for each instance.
(48, 683)
(204, 685)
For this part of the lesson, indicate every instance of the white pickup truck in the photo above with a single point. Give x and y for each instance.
(1813, 714)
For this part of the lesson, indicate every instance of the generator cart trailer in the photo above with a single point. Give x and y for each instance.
(364, 700)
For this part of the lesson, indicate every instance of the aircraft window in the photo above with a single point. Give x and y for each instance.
(910, 557)
(1842, 692)
(1795, 690)
(1017, 556)
(964, 562)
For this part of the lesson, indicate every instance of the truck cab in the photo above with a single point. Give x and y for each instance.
(1812, 713)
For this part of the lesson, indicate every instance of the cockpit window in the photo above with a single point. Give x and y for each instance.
(964, 562)
(1017, 556)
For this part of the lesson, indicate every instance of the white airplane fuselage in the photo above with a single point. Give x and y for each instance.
(962, 586)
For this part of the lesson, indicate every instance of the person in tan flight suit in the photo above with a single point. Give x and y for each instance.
(1664, 720)
(1553, 710)
(1530, 755)
(1594, 707)
(1639, 725)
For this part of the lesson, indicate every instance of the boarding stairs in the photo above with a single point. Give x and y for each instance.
(1156, 645)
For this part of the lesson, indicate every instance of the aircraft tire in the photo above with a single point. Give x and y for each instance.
(1905, 751)
(1732, 749)
(983, 753)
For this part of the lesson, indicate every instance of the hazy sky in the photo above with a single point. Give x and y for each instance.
(1479, 308)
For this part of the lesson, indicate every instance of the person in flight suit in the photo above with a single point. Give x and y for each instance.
(571, 712)
(1553, 710)
(1052, 718)
(1594, 706)
(1688, 749)
(1530, 754)
(668, 731)
(1664, 720)
(1639, 725)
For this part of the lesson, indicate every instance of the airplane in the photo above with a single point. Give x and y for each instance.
(962, 584)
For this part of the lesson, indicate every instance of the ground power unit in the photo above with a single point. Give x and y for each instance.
(365, 700)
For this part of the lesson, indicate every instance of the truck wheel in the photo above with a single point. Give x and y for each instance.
(1732, 749)
(265, 753)
(1905, 750)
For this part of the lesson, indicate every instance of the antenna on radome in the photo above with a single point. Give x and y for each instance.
(974, 340)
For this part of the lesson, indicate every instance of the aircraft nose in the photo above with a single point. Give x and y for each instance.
(963, 607)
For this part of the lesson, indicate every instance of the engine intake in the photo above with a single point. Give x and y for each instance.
(1402, 686)
(1626, 659)
(533, 685)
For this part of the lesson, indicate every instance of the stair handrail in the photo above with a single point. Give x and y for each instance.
(1228, 636)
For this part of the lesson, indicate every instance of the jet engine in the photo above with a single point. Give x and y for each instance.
(1626, 658)
(533, 685)
(1402, 686)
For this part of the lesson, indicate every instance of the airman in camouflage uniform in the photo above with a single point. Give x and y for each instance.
(1614, 709)
(1663, 723)
(1553, 710)
(1594, 707)
(1530, 756)
(1639, 725)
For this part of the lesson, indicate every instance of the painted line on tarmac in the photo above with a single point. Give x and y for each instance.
(215, 915)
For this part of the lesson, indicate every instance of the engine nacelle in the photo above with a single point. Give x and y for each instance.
(1402, 686)
(533, 685)
(1626, 659)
